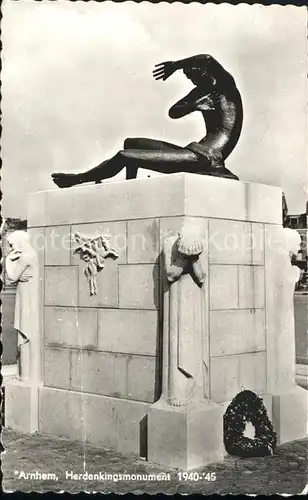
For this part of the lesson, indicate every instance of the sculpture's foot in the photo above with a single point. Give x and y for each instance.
(177, 402)
(66, 180)
(222, 172)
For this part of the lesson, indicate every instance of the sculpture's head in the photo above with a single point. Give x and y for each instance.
(201, 72)
(189, 241)
(199, 76)
(19, 241)
(208, 71)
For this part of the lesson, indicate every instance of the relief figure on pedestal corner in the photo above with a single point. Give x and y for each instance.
(215, 95)
(185, 352)
(22, 270)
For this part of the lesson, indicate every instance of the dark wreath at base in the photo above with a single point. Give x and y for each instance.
(248, 407)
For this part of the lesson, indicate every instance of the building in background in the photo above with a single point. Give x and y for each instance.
(300, 223)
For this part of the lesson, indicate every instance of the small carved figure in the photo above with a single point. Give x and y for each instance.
(215, 95)
(94, 251)
(185, 338)
(22, 269)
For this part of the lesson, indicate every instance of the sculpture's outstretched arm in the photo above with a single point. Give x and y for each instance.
(198, 61)
(214, 70)
(165, 69)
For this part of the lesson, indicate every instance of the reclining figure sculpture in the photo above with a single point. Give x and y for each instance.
(214, 94)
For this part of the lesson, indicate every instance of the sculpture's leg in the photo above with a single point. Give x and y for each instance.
(165, 162)
(110, 168)
(106, 169)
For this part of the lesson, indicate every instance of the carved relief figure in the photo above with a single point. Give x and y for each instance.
(281, 277)
(22, 269)
(185, 353)
(94, 250)
(215, 95)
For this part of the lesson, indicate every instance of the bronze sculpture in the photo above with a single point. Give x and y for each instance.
(215, 94)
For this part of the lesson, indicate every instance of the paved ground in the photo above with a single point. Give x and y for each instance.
(284, 472)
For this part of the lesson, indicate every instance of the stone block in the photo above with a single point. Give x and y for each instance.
(169, 226)
(223, 287)
(143, 241)
(62, 413)
(122, 428)
(162, 196)
(263, 203)
(71, 327)
(57, 367)
(128, 331)
(38, 242)
(141, 378)
(118, 238)
(185, 438)
(206, 197)
(99, 373)
(107, 286)
(138, 286)
(21, 406)
(230, 242)
(36, 209)
(290, 415)
(58, 246)
(237, 331)
(224, 378)
(251, 287)
(268, 403)
(110, 201)
(98, 420)
(252, 371)
(229, 374)
(257, 240)
(61, 286)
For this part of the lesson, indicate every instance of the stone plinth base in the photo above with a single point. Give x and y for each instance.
(102, 354)
(21, 406)
(109, 422)
(185, 437)
(290, 415)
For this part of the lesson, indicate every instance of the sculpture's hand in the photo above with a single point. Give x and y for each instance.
(14, 255)
(164, 70)
(198, 271)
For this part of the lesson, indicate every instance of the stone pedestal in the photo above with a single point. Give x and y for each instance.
(21, 406)
(185, 437)
(101, 356)
(290, 415)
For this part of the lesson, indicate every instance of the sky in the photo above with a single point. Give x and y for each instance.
(77, 80)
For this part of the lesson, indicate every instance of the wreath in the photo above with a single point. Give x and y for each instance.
(248, 407)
